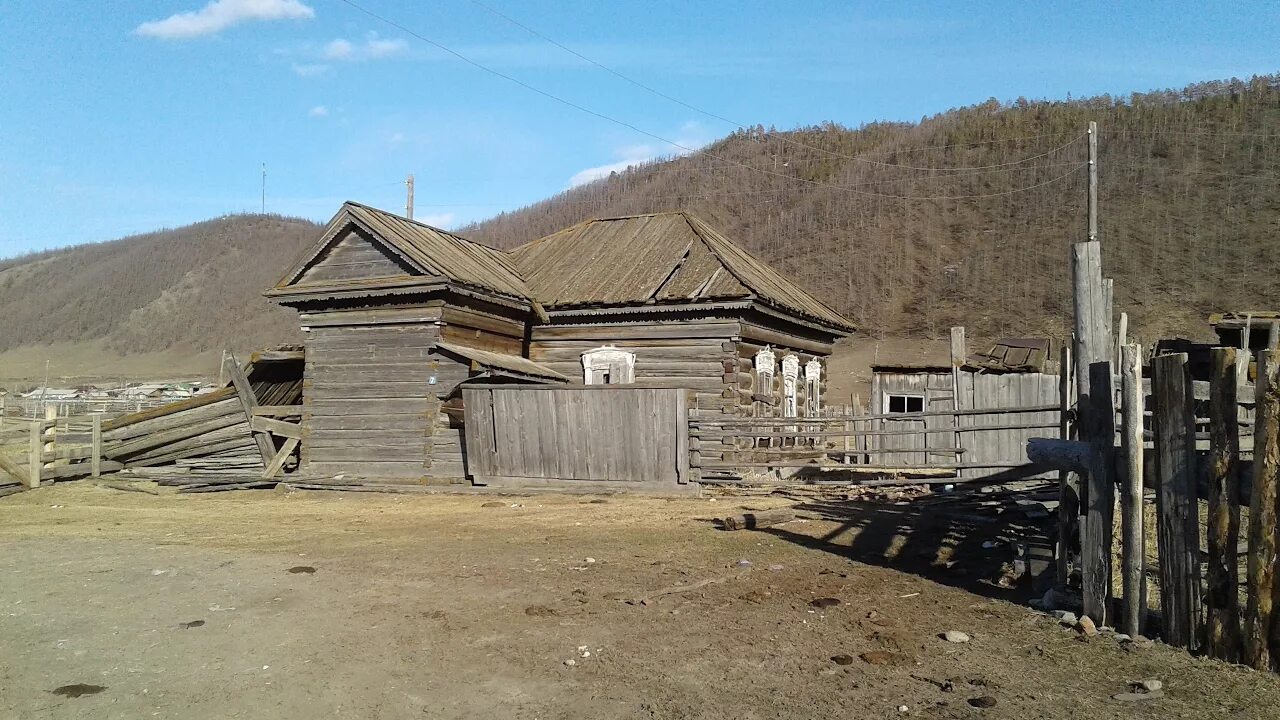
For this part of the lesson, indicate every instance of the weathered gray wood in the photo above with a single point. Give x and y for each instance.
(64, 472)
(169, 409)
(96, 446)
(278, 428)
(15, 470)
(277, 411)
(1261, 580)
(281, 456)
(1178, 517)
(1072, 455)
(160, 439)
(224, 408)
(247, 403)
(1096, 422)
(1134, 541)
(35, 453)
(1068, 483)
(1222, 598)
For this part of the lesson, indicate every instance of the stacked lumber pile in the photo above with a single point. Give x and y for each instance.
(210, 426)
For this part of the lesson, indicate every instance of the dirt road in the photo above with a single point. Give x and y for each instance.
(266, 605)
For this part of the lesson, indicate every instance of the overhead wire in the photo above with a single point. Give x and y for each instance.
(623, 123)
(715, 116)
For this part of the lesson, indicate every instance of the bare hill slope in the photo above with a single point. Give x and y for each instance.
(967, 217)
(963, 218)
(194, 288)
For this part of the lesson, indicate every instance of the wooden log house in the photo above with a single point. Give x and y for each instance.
(397, 315)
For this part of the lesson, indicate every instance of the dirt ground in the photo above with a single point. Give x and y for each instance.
(306, 605)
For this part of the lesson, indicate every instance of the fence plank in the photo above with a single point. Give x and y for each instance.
(1223, 595)
(35, 451)
(1262, 514)
(1134, 546)
(1178, 521)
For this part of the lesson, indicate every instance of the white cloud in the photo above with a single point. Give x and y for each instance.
(692, 137)
(319, 111)
(440, 220)
(371, 48)
(339, 50)
(309, 70)
(219, 15)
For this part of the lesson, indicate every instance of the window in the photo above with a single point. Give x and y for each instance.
(903, 403)
(813, 388)
(608, 366)
(764, 376)
(790, 376)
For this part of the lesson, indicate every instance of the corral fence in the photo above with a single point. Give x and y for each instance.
(626, 436)
(1215, 502)
(33, 451)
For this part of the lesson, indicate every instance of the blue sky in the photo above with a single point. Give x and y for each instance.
(123, 117)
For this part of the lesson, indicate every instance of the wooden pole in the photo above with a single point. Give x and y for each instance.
(1068, 482)
(1134, 547)
(1178, 521)
(1224, 506)
(1093, 181)
(248, 402)
(35, 453)
(1095, 413)
(96, 439)
(1261, 578)
(1122, 338)
(1273, 335)
(408, 205)
(958, 354)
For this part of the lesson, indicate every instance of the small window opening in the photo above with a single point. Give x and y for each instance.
(906, 403)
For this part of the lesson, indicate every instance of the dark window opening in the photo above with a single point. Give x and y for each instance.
(906, 403)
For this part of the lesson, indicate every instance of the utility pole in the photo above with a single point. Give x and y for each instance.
(1093, 180)
(264, 188)
(1095, 409)
(408, 205)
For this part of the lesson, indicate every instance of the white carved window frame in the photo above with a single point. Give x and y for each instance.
(813, 387)
(790, 385)
(608, 365)
(765, 364)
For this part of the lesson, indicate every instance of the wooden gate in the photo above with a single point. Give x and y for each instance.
(636, 437)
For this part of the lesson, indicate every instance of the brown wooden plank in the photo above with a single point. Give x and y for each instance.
(1261, 578)
(1222, 598)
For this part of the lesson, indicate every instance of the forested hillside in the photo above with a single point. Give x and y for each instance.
(967, 216)
(963, 218)
(198, 287)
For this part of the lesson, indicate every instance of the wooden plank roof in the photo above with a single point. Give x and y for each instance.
(657, 258)
(512, 364)
(431, 251)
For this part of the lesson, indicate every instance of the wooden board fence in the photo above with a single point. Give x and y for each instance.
(629, 436)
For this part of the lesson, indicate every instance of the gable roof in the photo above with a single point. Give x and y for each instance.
(655, 258)
(429, 250)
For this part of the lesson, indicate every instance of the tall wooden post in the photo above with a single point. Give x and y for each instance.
(95, 460)
(1095, 422)
(1131, 440)
(958, 354)
(408, 205)
(1178, 521)
(1224, 505)
(1068, 482)
(35, 453)
(1261, 579)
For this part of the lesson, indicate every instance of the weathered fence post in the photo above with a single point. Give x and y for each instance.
(35, 453)
(95, 460)
(1068, 482)
(1131, 440)
(1224, 505)
(1096, 422)
(1178, 521)
(1262, 515)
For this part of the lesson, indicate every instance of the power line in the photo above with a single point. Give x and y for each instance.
(646, 133)
(721, 118)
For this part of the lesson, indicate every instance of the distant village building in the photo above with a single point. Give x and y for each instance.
(397, 315)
